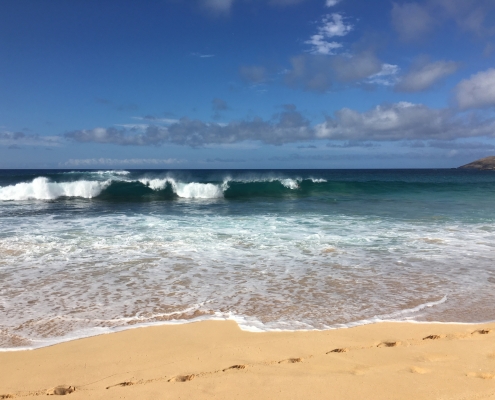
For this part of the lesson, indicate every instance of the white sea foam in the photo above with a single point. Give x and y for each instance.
(42, 188)
(290, 183)
(107, 172)
(318, 180)
(192, 190)
(198, 190)
(155, 184)
(71, 282)
(111, 172)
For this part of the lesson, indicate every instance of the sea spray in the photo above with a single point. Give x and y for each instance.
(42, 189)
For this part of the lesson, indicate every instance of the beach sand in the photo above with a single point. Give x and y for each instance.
(216, 360)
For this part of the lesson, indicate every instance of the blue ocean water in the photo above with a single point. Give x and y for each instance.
(85, 252)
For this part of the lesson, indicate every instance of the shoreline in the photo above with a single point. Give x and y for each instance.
(216, 359)
(237, 320)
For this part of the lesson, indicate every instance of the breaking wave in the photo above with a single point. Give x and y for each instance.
(118, 186)
(43, 189)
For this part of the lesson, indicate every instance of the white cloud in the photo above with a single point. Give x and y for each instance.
(387, 122)
(401, 121)
(332, 25)
(387, 76)
(115, 161)
(8, 138)
(133, 126)
(331, 3)
(321, 46)
(200, 55)
(424, 75)
(478, 91)
(155, 120)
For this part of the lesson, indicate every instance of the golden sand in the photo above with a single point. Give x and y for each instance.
(216, 360)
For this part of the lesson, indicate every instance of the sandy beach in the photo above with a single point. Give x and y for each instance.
(215, 359)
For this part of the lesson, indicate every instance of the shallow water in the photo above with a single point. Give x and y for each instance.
(84, 252)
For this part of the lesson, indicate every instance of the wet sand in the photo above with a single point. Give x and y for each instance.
(216, 360)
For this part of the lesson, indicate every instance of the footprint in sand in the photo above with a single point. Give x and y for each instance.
(6, 396)
(61, 390)
(436, 357)
(291, 361)
(238, 367)
(418, 370)
(127, 383)
(482, 375)
(182, 378)
(359, 371)
(342, 350)
(481, 332)
(389, 344)
(432, 337)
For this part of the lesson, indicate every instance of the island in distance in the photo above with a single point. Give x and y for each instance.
(487, 163)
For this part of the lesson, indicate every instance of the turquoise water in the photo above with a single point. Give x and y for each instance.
(87, 252)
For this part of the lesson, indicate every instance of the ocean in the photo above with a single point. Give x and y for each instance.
(86, 252)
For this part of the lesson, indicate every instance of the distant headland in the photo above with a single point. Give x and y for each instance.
(487, 163)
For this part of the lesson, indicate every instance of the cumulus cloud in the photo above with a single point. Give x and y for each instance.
(387, 76)
(318, 73)
(423, 75)
(321, 46)
(287, 126)
(253, 73)
(411, 21)
(15, 139)
(331, 3)
(331, 25)
(389, 122)
(312, 73)
(356, 67)
(478, 91)
(401, 121)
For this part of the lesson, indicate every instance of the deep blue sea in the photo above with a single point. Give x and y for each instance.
(84, 252)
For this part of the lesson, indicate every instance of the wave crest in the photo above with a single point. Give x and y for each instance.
(42, 189)
(123, 187)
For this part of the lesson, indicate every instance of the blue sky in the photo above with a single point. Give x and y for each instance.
(246, 83)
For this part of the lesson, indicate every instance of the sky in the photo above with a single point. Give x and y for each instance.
(227, 84)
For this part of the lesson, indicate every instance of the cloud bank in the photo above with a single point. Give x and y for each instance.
(86, 162)
(402, 121)
(388, 122)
